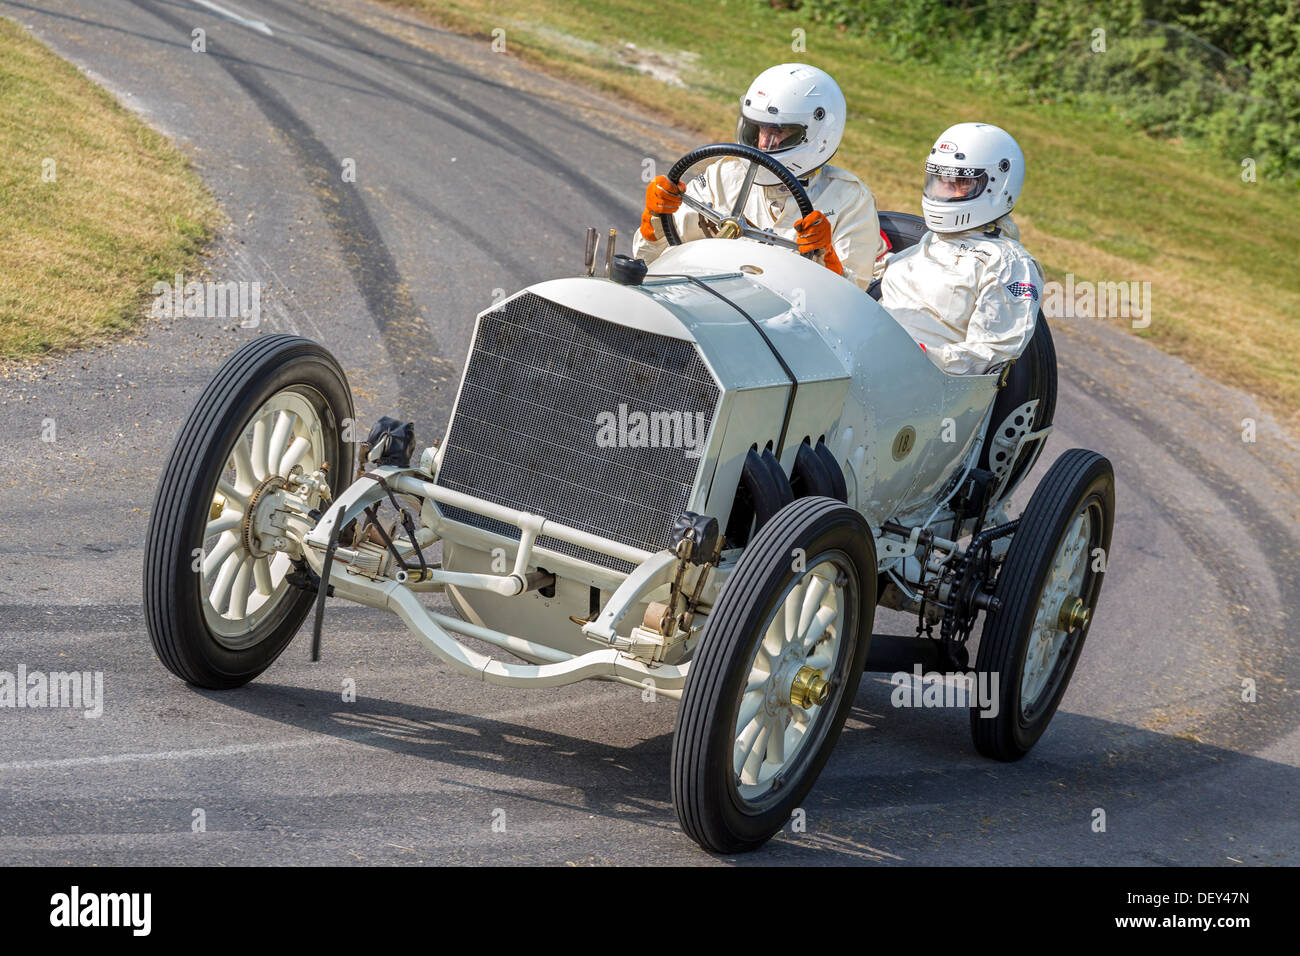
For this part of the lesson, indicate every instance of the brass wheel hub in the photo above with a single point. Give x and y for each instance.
(1073, 614)
(809, 688)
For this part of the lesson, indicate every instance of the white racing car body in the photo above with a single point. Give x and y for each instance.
(699, 481)
(793, 354)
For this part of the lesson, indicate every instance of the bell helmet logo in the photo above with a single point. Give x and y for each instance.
(946, 147)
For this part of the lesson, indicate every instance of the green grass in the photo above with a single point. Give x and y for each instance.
(1102, 201)
(94, 205)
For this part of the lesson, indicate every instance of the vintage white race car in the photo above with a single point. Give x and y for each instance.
(699, 481)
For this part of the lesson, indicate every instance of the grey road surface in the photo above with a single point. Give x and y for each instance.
(474, 177)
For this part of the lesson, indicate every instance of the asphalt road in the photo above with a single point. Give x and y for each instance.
(474, 174)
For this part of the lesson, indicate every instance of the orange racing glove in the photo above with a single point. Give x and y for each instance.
(813, 233)
(662, 198)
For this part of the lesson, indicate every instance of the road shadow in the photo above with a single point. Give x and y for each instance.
(902, 787)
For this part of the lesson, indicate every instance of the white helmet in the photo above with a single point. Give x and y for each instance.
(798, 111)
(973, 175)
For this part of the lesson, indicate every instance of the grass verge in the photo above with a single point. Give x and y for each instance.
(94, 205)
(1103, 202)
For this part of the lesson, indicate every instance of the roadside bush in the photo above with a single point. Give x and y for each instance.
(1217, 70)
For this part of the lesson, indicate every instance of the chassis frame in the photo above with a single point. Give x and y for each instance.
(631, 661)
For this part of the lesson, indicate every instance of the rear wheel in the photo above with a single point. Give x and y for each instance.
(1047, 592)
(774, 675)
(218, 605)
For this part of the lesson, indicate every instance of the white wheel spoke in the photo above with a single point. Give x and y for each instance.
(213, 560)
(1081, 553)
(774, 640)
(245, 477)
(817, 627)
(833, 628)
(261, 445)
(240, 588)
(220, 594)
(754, 754)
(229, 520)
(819, 661)
(776, 742)
(811, 604)
(750, 705)
(279, 439)
(294, 454)
(745, 742)
(793, 603)
(232, 494)
(262, 575)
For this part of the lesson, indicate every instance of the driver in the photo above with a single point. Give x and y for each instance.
(968, 291)
(795, 112)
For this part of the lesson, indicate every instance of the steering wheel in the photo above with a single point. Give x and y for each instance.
(732, 224)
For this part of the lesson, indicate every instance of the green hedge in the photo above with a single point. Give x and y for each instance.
(1224, 71)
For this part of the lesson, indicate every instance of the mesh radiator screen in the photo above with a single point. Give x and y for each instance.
(526, 433)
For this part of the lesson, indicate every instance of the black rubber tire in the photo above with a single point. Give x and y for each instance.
(708, 803)
(173, 595)
(1032, 376)
(1078, 479)
(839, 488)
(810, 477)
(763, 490)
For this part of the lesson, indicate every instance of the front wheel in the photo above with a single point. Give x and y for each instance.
(774, 675)
(218, 603)
(1047, 592)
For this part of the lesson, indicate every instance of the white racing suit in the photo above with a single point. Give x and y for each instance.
(970, 299)
(843, 198)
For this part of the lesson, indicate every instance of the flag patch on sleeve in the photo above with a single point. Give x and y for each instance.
(1022, 290)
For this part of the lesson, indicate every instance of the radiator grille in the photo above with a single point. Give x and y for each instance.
(524, 432)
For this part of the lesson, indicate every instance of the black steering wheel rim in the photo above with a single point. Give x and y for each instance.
(741, 151)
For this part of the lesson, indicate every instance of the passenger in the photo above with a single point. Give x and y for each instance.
(795, 112)
(968, 291)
